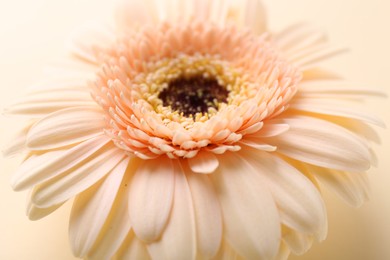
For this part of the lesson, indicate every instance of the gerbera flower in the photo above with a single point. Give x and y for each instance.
(189, 131)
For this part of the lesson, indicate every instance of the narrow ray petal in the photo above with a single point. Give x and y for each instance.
(255, 16)
(65, 127)
(251, 219)
(35, 213)
(322, 143)
(70, 183)
(43, 102)
(300, 204)
(86, 40)
(18, 143)
(39, 168)
(150, 197)
(334, 108)
(117, 226)
(208, 215)
(297, 242)
(296, 37)
(130, 14)
(226, 252)
(180, 232)
(91, 208)
(349, 186)
(132, 249)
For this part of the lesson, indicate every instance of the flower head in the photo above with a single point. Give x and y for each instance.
(191, 131)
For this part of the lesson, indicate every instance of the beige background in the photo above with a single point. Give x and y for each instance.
(32, 33)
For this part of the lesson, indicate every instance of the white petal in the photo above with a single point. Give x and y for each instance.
(131, 14)
(226, 252)
(18, 143)
(250, 14)
(76, 180)
(362, 129)
(40, 168)
(91, 208)
(255, 143)
(251, 219)
(181, 11)
(65, 127)
(334, 108)
(132, 249)
(75, 70)
(54, 84)
(297, 242)
(299, 36)
(311, 59)
(45, 102)
(35, 213)
(328, 87)
(322, 143)
(117, 226)
(167, 10)
(203, 162)
(208, 218)
(255, 16)
(179, 238)
(272, 128)
(284, 252)
(300, 204)
(150, 197)
(351, 187)
(86, 40)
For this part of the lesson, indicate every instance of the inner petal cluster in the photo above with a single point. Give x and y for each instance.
(178, 89)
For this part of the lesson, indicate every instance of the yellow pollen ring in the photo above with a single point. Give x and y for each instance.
(150, 84)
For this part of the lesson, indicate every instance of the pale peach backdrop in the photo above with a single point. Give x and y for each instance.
(32, 33)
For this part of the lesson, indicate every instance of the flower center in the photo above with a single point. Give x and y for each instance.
(193, 95)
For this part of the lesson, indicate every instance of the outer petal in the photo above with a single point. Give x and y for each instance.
(66, 127)
(76, 180)
(208, 215)
(323, 105)
(179, 238)
(41, 103)
(251, 219)
(351, 187)
(91, 208)
(299, 36)
(300, 204)
(226, 252)
(150, 198)
(322, 143)
(131, 14)
(40, 168)
(132, 249)
(284, 252)
(35, 213)
(297, 242)
(249, 14)
(18, 143)
(89, 39)
(117, 226)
